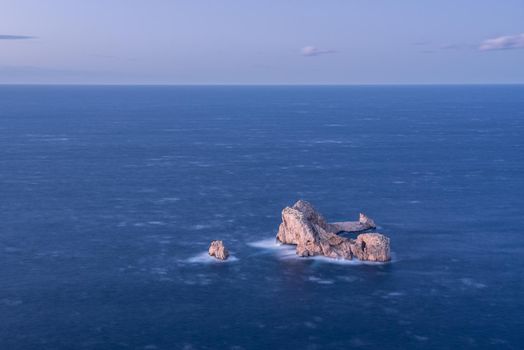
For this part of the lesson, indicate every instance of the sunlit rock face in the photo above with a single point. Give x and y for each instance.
(218, 250)
(371, 247)
(306, 228)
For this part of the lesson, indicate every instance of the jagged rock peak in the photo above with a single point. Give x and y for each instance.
(366, 221)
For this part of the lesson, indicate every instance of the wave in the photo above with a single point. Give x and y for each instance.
(288, 252)
(269, 243)
(205, 258)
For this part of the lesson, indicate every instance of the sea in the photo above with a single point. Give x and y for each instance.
(110, 196)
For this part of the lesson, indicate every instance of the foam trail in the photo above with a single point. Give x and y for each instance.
(283, 251)
(288, 252)
(205, 258)
(269, 243)
(320, 280)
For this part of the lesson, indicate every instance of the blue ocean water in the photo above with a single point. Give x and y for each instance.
(109, 197)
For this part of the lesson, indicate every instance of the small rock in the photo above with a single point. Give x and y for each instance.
(217, 250)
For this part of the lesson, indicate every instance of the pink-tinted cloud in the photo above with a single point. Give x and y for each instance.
(507, 42)
(310, 51)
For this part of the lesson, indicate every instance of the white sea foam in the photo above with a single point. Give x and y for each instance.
(469, 282)
(283, 251)
(160, 223)
(420, 337)
(348, 278)
(205, 258)
(269, 243)
(328, 141)
(320, 280)
(394, 295)
(310, 325)
(168, 199)
(288, 252)
(200, 164)
(56, 139)
(201, 226)
(326, 260)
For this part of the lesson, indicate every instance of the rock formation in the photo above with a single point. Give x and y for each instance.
(304, 227)
(364, 223)
(217, 249)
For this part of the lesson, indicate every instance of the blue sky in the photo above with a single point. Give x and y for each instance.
(261, 42)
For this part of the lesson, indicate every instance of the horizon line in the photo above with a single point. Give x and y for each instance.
(259, 84)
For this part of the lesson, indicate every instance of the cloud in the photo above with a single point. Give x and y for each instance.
(507, 42)
(310, 51)
(15, 37)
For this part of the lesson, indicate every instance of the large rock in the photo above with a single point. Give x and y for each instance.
(218, 250)
(304, 227)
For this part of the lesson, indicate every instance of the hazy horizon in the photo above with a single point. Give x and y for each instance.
(262, 84)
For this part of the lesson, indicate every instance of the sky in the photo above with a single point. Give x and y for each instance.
(261, 41)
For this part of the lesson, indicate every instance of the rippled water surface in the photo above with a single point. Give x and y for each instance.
(109, 197)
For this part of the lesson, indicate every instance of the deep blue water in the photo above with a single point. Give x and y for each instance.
(110, 195)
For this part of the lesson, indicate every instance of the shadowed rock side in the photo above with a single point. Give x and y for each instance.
(218, 250)
(303, 226)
